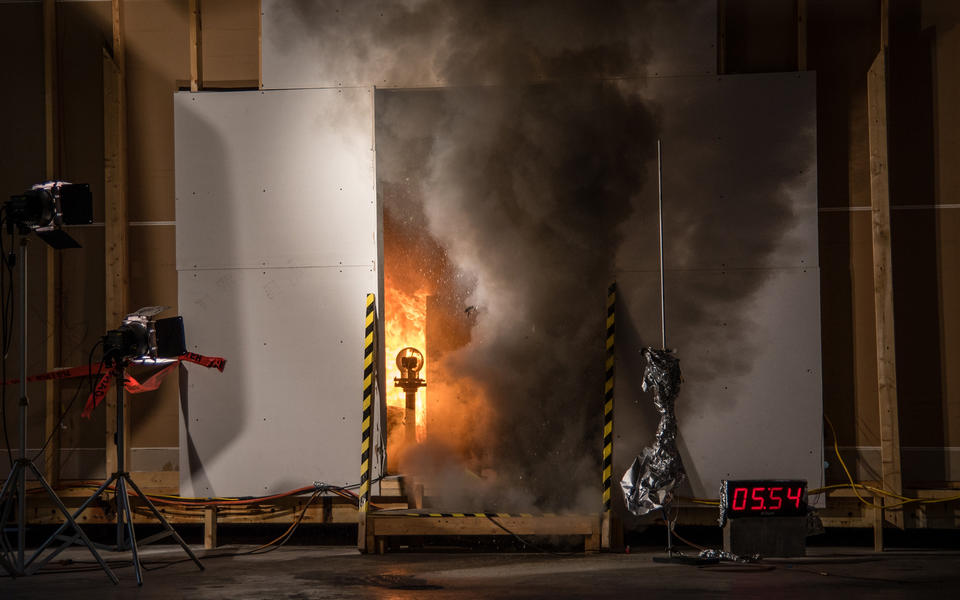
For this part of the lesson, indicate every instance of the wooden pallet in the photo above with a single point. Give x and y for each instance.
(382, 527)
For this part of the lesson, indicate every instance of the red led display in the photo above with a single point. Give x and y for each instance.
(764, 498)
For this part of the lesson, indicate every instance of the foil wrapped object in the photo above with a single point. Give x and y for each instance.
(712, 554)
(651, 481)
(724, 504)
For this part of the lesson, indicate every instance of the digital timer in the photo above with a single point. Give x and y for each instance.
(763, 498)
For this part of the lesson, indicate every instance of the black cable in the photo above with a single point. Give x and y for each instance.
(530, 544)
(76, 394)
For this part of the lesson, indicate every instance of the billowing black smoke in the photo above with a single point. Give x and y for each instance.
(524, 188)
(523, 163)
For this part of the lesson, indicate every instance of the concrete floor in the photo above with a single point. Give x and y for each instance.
(317, 572)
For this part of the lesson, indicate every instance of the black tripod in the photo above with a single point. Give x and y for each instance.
(126, 537)
(13, 559)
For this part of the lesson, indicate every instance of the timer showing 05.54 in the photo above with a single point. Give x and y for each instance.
(764, 498)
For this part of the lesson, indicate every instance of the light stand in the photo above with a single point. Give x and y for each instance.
(14, 491)
(126, 537)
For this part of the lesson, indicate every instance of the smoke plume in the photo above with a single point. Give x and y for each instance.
(510, 155)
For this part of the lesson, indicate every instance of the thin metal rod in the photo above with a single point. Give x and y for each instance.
(24, 404)
(663, 324)
(666, 521)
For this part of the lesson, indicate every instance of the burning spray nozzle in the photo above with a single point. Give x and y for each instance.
(410, 361)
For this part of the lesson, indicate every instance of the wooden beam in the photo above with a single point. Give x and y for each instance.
(116, 251)
(884, 24)
(196, 47)
(260, 45)
(878, 524)
(721, 37)
(883, 279)
(210, 527)
(801, 35)
(380, 526)
(51, 389)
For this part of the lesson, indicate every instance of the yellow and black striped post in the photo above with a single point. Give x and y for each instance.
(366, 426)
(608, 399)
(610, 532)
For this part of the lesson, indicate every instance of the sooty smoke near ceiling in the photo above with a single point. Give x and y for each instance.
(524, 173)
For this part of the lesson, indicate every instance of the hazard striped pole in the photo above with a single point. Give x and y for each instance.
(366, 439)
(608, 400)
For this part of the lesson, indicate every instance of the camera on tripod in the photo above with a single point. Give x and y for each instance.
(141, 337)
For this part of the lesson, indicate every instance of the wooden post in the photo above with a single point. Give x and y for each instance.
(115, 205)
(801, 35)
(416, 495)
(260, 51)
(878, 523)
(210, 527)
(51, 388)
(721, 37)
(196, 47)
(883, 279)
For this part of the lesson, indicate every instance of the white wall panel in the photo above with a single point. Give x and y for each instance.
(275, 179)
(742, 282)
(276, 250)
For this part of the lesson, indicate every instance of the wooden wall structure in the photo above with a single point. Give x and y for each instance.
(918, 39)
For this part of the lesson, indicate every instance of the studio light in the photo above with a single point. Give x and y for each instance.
(47, 207)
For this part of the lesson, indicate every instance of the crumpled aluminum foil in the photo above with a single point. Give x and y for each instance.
(650, 482)
(724, 504)
(713, 554)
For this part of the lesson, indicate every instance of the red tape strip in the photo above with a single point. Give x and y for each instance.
(130, 384)
(99, 393)
(70, 373)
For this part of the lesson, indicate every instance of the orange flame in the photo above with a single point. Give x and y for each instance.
(405, 325)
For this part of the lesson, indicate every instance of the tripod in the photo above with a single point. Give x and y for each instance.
(14, 491)
(126, 537)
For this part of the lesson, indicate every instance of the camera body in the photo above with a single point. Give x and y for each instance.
(140, 336)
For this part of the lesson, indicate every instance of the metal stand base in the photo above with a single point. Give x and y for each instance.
(674, 557)
(13, 496)
(11, 492)
(126, 537)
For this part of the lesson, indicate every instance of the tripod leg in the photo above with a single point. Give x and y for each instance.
(119, 498)
(8, 501)
(6, 506)
(71, 521)
(79, 511)
(123, 508)
(166, 524)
